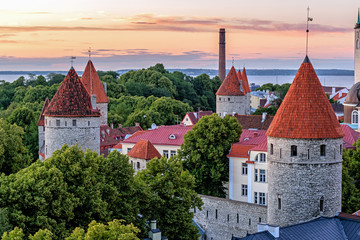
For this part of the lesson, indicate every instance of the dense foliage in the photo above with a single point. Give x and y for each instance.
(204, 152)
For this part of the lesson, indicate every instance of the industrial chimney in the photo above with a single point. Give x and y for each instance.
(222, 66)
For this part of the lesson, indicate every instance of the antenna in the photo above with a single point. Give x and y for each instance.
(308, 19)
(72, 58)
(232, 61)
(89, 51)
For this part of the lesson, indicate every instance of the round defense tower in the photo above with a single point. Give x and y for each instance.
(72, 117)
(304, 154)
(231, 96)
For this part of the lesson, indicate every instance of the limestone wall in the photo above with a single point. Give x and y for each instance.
(103, 107)
(232, 104)
(301, 181)
(86, 133)
(41, 136)
(222, 218)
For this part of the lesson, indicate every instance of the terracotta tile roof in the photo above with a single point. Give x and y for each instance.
(163, 135)
(245, 79)
(118, 146)
(305, 112)
(249, 140)
(109, 137)
(240, 150)
(71, 99)
(254, 121)
(92, 83)
(195, 116)
(351, 136)
(144, 149)
(41, 121)
(230, 85)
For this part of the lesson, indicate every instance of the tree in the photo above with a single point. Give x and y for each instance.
(168, 195)
(351, 180)
(113, 231)
(42, 235)
(13, 154)
(16, 234)
(204, 152)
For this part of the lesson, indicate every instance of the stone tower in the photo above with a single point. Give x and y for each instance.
(222, 58)
(357, 51)
(41, 130)
(231, 96)
(93, 85)
(72, 117)
(304, 154)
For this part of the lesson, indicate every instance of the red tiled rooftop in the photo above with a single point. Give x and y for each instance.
(249, 140)
(306, 111)
(144, 149)
(262, 146)
(351, 136)
(239, 150)
(162, 135)
(230, 85)
(245, 79)
(195, 116)
(92, 83)
(111, 136)
(254, 121)
(71, 99)
(41, 121)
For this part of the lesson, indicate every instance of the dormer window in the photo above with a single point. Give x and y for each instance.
(245, 139)
(172, 137)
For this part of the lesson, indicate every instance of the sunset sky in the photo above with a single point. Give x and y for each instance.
(43, 34)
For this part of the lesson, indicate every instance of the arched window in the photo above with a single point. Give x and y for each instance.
(354, 117)
(261, 157)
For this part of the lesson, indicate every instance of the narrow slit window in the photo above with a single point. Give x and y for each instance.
(322, 150)
(279, 203)
(293, 150)
(216, 213)
(321, 204)
(272, 149)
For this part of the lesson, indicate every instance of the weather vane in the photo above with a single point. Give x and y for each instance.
(308, 19)
(72, 58)
(89, 51)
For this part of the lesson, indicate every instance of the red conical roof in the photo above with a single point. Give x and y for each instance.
(42, 117)
(306, 111)
(242, 89)
(245, 81)
(92, 83)
(71, 99)
(230, 85)
(144, 149)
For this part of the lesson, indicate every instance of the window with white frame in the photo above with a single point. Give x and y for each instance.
(244, 169)
(244, 190)
(256, 175)
(166, 153)
(255, 197)
(172, 153)
(261, 157)
(354, 117)
(262, 198)
(262, 177)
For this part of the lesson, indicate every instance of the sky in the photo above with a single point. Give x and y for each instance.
(262, 34)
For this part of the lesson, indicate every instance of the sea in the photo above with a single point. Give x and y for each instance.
(328, 80)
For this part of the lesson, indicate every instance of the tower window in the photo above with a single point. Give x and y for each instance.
(271, 149)
(279, 203)
(138, 165)
(308, 154)
(228, 217)
(88, 123)
(57, 122)
(207, 214)
(65, 123)
(321, 204)
(280, 152)
(219, 98)
(322, 150)
(216, 213)
(237, 218)
(74, 123)
(229, 99)
(293, 150)
(354, 117)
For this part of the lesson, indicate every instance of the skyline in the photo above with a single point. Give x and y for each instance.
(42, 35)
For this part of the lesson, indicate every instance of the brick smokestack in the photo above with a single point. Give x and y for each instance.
(222, 65)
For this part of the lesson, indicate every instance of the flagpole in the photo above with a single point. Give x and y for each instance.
(307, 31)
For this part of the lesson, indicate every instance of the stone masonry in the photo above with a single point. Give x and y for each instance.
(103, 107)
(299, 185)
(222, 218)
(86, 133)
(233, 104)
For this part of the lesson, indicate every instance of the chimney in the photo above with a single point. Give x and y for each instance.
(273, 230)
(137, 124)
(222, 58)
(153, 224)
(93, 101)
(120, 125)
(112, 125)
(263, 116)
(105, 88)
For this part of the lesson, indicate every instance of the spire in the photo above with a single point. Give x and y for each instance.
(306, 111)
(245, 80)
(357, 25)
(230, 85)
(71, 99)
(92, 83)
